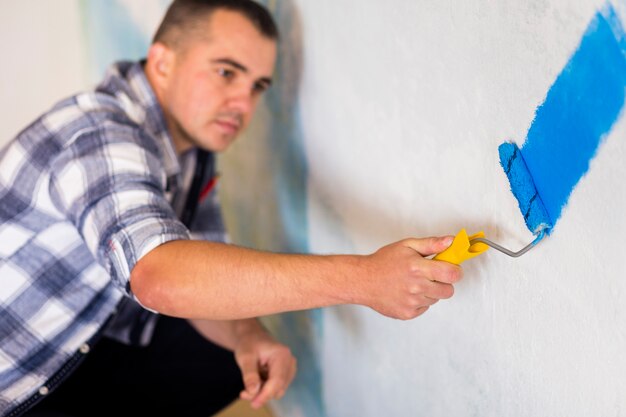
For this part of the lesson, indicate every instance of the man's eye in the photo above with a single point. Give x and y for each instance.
(259, 88)
(226, 73)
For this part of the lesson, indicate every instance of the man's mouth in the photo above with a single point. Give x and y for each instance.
(228, 126)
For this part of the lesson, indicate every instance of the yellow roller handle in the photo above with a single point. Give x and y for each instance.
(461, 250)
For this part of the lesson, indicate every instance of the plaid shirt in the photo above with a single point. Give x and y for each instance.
(85, 191)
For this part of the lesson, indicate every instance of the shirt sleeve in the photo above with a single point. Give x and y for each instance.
(110, 183)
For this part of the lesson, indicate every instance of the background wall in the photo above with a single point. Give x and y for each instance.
(43, 59)
(385, 123)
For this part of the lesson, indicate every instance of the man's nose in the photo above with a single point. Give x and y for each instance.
(242, 100)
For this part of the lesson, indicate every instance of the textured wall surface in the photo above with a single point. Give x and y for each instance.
(402, 111)
(384, 123)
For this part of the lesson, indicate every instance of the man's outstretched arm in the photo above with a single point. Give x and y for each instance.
(207, 280)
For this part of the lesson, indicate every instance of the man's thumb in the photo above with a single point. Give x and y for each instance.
(429, 245)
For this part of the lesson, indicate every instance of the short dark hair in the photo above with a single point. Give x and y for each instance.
(185, 15)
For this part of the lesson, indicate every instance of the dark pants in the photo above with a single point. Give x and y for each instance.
(179, 374)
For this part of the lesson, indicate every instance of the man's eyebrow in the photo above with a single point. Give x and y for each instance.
(230, 62)
(263, 80)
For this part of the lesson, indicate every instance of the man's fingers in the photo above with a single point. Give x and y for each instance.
(423, 271)
(428, 301)
(279, 377)
(250, 376)
(269, 391)
(429, 245)
(421, 311)
(439, 290)
(274, 387)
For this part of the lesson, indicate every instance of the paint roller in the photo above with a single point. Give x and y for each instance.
(580, 108)
(536, 217)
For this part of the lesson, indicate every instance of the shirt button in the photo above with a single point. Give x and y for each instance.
(44, 390)
(84, 348)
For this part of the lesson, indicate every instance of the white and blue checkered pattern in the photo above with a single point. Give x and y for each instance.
(85, 191)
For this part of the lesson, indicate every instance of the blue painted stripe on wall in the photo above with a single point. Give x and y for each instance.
(579, 110)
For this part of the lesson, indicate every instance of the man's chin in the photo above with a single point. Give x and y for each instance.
(219, 144)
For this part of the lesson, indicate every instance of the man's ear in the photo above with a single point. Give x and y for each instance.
(160, 64)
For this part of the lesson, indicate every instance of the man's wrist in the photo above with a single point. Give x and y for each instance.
(247, 326)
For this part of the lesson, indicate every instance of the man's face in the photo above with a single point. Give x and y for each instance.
(216, 81)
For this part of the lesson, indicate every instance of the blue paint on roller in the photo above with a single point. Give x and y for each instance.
(523, 188)
(580, 109)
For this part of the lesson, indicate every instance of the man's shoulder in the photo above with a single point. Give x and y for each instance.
(113, 102)
(86, 123)
(86, 108)
(112, 113)
(94, 110)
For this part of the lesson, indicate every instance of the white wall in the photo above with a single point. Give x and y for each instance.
(403, 107)
(42, 59)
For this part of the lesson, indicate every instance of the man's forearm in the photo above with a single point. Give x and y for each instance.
(226, 333)
(195, 279)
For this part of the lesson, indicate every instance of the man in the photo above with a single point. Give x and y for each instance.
(107, 306)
